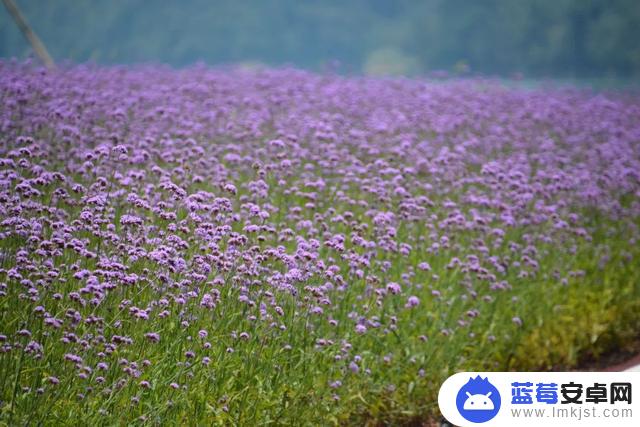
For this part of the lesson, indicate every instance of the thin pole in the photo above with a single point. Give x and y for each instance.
(29, 34)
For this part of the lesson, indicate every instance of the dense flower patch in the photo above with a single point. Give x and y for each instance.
(213, 246)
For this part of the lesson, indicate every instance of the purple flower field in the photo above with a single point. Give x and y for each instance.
(206, 246)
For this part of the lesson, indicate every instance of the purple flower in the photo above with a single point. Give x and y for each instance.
(361, 329)
(394, 288)
(152, 336)
(412, 301)
(264, 207)
(424, 266)
(73, 358)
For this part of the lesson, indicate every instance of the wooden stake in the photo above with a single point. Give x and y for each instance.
(29, 34)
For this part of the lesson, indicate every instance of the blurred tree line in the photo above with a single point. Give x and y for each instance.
(555, 38)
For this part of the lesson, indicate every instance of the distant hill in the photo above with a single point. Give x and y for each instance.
(561, 38)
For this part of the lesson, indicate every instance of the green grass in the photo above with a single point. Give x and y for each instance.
(263, 382)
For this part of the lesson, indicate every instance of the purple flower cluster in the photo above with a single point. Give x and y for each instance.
(162, 228)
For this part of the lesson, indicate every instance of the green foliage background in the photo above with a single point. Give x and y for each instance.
(540, 38)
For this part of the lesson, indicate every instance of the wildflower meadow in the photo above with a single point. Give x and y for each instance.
(278, 247)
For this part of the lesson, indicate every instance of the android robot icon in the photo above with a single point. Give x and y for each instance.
(478, 400)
